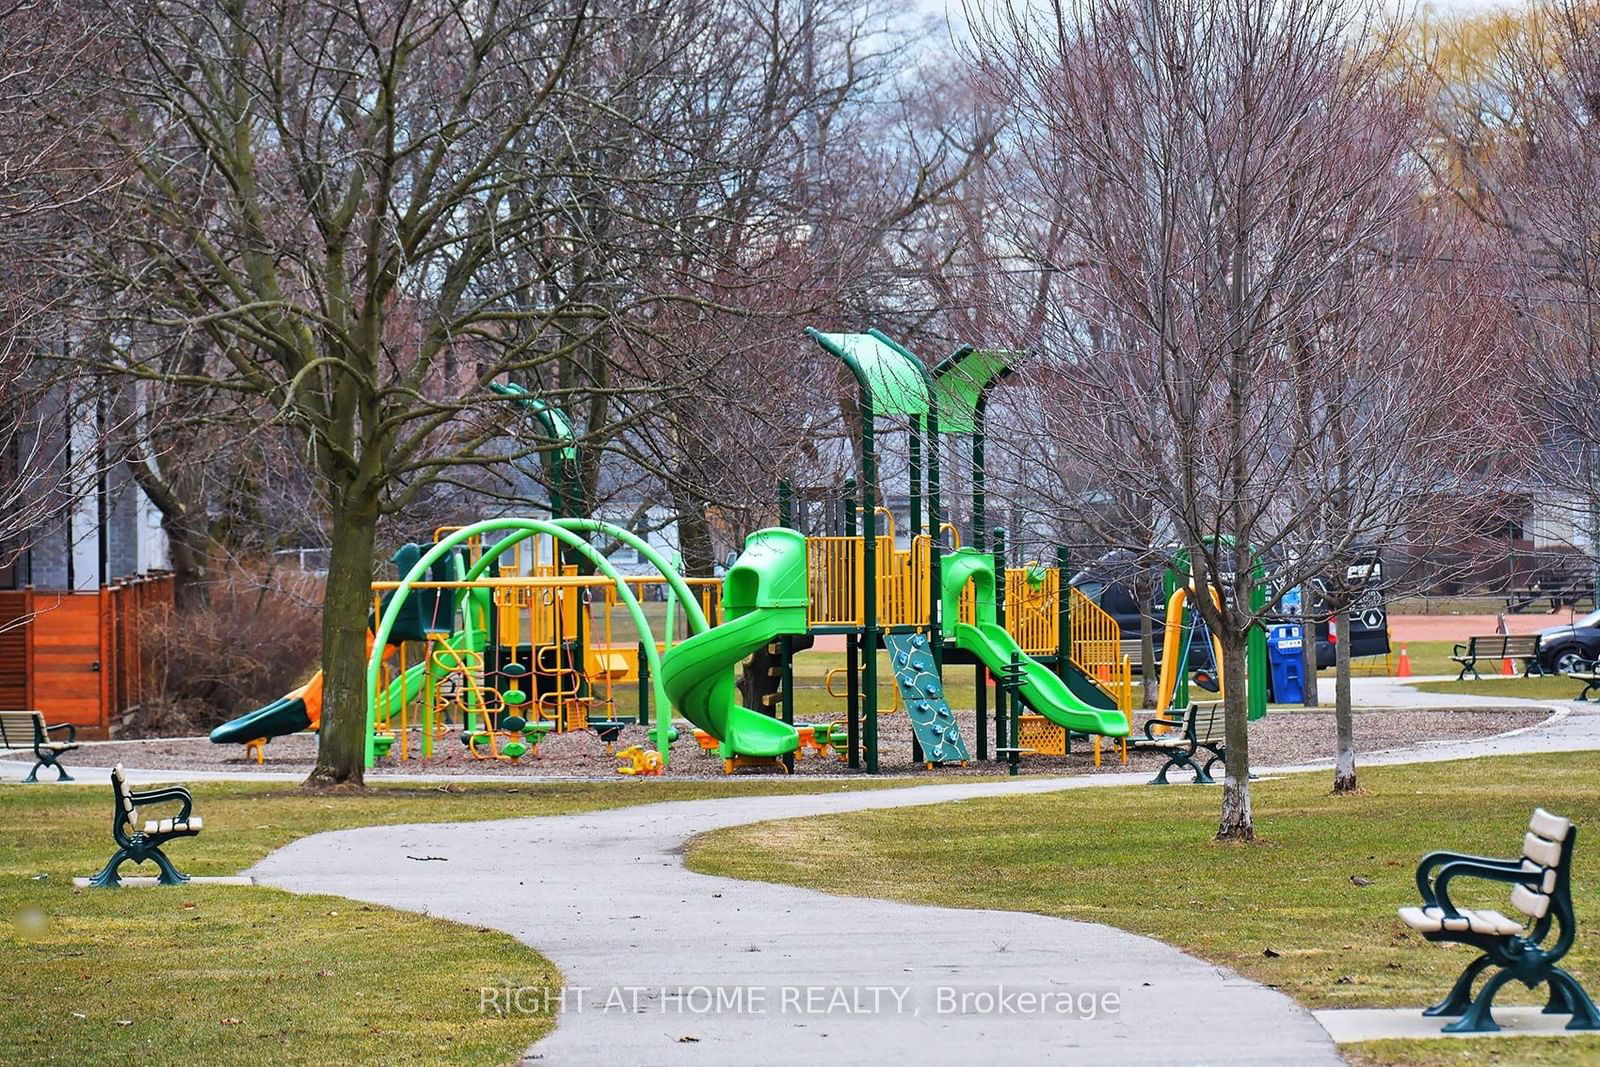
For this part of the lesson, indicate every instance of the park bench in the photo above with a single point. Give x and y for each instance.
(1202, 728)
(1541, 890)
(138, 842)
(26, 729)
(1497, 647)
(1588, 673)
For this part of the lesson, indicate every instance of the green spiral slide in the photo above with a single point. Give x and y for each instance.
(1042, 689)
(763, 596)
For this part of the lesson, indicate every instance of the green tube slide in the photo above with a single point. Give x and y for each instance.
(764, 596)
(1042, 689)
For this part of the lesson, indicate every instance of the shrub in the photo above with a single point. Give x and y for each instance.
(258, 638)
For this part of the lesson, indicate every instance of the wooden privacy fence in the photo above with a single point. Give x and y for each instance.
(77, 657)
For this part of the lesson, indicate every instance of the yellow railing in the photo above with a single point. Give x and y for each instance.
(1096, 639)
(835, 577)
(903, 582)
(1032, 600)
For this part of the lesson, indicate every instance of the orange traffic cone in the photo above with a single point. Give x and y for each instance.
(1403, 668)
(1508, 668)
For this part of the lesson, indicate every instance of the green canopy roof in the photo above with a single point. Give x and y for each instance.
(961, 380)
(894, 380)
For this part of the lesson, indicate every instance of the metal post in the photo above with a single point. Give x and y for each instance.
(935, 549)
(1063, 609)
(786, 688)
(644, 687)
(1014, 688)
(785, 504)
(917, 427)
(981, 681)
(978, 516)
(869, 568)
(852, 690)
(1000, 620)
(852, 662)
(915, 456)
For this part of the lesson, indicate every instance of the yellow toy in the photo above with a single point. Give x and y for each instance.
(642, 762)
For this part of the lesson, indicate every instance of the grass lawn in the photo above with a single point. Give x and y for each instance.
(1539, 687)
(214, 974)
(1284, 912)
(1488, 1051)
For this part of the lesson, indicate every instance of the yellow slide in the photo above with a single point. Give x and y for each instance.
(1174, 655)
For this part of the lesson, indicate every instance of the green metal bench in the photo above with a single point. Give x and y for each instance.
(1588, 673)
(139, 843)
(1203, 728)
(1497, 647)
(26, 729)
(1541, 890)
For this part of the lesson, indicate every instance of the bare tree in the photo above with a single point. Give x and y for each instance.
(1194, 171)
(324, 198)
(1515, 150)
(47, 51)
(1387, 358)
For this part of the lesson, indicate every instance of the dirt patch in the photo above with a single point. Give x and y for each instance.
(1282, 738)
(1461, 627)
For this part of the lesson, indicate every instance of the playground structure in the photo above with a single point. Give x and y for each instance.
(1183, 624)
(506, 631)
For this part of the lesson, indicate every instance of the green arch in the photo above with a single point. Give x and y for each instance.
(697, 618)
(527, 528)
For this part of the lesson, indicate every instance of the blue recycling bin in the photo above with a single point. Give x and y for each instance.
(1286, 663)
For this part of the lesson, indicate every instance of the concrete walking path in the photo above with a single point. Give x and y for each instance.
(605, 896)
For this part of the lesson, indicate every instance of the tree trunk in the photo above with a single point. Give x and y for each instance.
(341, 747)
(1149, 676)
(1238, 823)
(1344, 763)
(694, 537)
(189, 550)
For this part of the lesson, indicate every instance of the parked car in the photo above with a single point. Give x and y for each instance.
(1110, 582)
(1564, 649)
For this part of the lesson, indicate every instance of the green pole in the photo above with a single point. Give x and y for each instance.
(1014, 703)
(786, 688)
(785, 504)
(981, 708)
(935, 547)
(852, 655)
(1063, 609)
(869, 564)
(978, 517)
(644, 687)
(915, 455)
(1000, 705)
